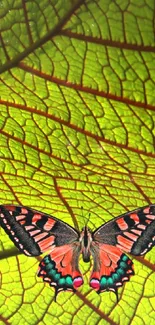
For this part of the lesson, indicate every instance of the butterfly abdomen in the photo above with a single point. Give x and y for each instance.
(85, 243)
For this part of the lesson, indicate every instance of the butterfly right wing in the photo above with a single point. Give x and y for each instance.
(132, 232)
(111, 268)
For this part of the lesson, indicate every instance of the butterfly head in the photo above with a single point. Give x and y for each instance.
(85, 242)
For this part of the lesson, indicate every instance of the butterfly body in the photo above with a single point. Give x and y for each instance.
(35, 232)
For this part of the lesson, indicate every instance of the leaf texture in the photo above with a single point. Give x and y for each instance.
(77, 128)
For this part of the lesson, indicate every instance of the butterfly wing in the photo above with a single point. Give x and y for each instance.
(60, 268)
(34, 232)
(111, 268)
(133, 232)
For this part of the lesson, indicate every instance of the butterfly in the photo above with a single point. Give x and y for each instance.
(35, 232)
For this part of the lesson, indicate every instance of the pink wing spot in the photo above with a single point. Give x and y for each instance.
(95, 284)
(2, 215)
(118, 284)
(150, 216)
(34, 232)
(20, 217)
(26, 252)
(125, 243)
(46, 244)
(27, 228)
(129, 271)
(16, 239)
(138, 232)
(12, 232)
(36, 217)
(141, 227)
(8, 227)
(49, 280)
(146, 210)
(122, 224)
(144, 252)
(77, 282)
(135, 217)
(40, 236)
(49, 224)
(130, 235)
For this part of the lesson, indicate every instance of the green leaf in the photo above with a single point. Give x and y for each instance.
(76, 129)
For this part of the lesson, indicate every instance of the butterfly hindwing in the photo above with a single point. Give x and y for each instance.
(111, 268)
(60, 268)
(34, 232)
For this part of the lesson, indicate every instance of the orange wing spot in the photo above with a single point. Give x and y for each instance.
(36, 217)
(122, 224)
(22, 222)
(40, 236)
(10, 207)
(49, 224)
(146, 210)
(148, 221)
(150, 216)
(46, 244)
(24, 211)
(124, 242)
(130, 235)
(135, 217)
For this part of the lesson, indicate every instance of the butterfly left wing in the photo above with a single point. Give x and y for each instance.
(34, 232)
(60, 268)
(133, 232)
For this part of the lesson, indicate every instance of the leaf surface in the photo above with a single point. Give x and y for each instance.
(77, 120)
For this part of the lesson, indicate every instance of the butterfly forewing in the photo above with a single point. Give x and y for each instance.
(132, 232)
(34, 232)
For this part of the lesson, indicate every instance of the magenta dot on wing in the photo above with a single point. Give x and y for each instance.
(77, 282)
(95, 284)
